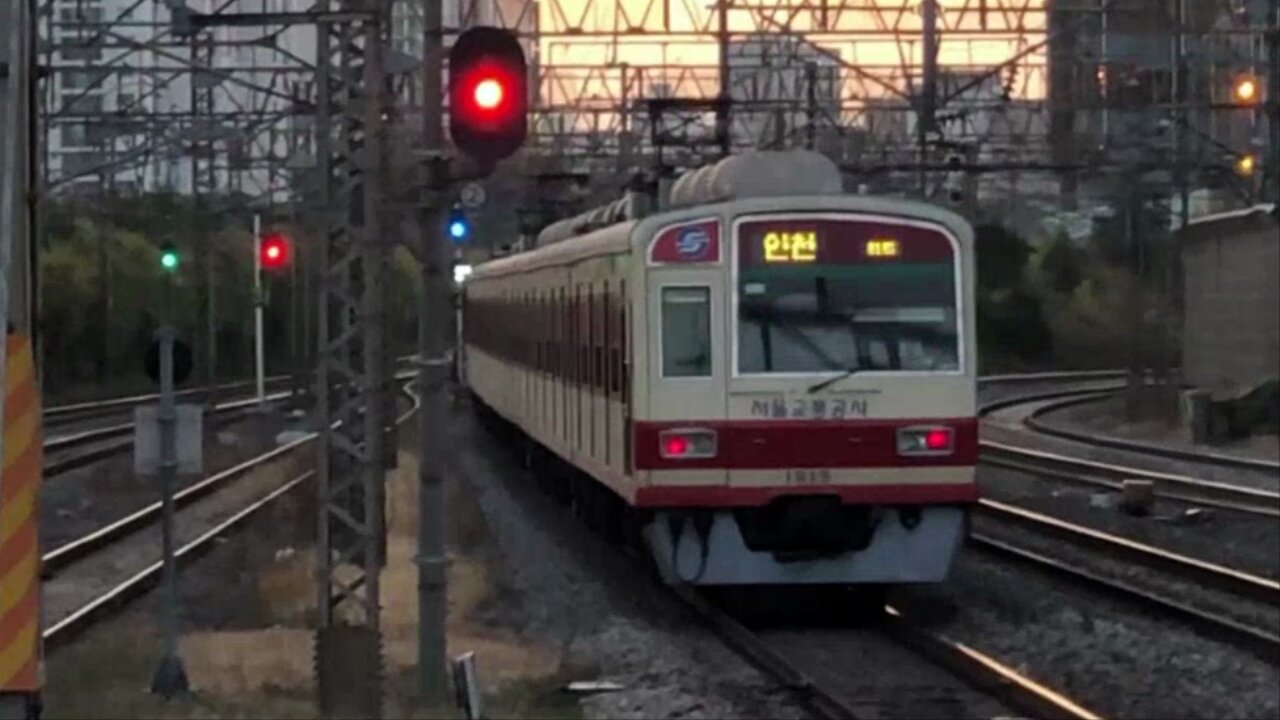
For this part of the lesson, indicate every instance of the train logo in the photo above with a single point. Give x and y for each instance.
(693, 243)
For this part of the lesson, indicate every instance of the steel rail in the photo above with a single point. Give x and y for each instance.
(1229, 500)
(94, 407)
(225, 413)
(232, 410)
(971, 666)
(1219, 577)
(59, 413)
(1056, 375)
(1178, 487)
(757, 652)
(1264, 644)
(1036, 423)
(986, 673)
(1255, 588)
(72, 626)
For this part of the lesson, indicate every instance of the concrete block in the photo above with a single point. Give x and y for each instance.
(1196, 415)
(1137, 497)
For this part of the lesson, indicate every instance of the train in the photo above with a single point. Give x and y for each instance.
(768, 382)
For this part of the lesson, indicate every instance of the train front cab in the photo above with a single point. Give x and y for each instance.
(760, 458)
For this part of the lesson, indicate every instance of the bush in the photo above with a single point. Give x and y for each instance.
(1061, 265)
(1012, 323)
(1001, 257)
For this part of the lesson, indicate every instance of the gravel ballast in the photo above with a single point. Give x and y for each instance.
(1109, 656)
(80, 501)
(562, 585)
(1008, 426)
(1246, 542)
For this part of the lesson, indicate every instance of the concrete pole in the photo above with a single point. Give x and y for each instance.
(432, 342)
(171, 677)
(259, 358)
(928, 97)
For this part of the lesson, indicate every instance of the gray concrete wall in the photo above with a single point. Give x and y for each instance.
(1231, 274)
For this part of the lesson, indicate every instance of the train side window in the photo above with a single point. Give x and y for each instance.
(598, 338)
(686, 331)
(624, 344)
(616, 343)
(590, 337)
(606, 317)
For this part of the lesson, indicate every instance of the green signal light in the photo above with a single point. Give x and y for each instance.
(169, 259)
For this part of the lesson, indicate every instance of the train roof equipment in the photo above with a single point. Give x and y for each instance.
(757, 174)
(754, 174)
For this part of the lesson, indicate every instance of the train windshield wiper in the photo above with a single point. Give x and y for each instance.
(832, 380)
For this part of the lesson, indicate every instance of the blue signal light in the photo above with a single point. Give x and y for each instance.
(457, 229)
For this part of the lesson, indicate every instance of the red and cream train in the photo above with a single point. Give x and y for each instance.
(770, 383)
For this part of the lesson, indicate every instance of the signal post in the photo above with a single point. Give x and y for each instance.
(488, 121)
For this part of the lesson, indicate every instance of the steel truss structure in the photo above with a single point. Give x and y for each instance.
(239, 130)
(910, 95)
(906, 94)
(350, 142)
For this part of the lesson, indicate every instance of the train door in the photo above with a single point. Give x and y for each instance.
(688, 371)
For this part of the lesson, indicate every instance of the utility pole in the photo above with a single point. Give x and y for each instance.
(204, 184)
(928, 98)
(1273, 102)
(171, 676)
(433, 323)
(723, 106)
(259, 352)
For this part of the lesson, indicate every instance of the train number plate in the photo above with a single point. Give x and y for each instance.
(808, 477)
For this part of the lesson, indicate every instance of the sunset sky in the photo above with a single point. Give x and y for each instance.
(681, 36)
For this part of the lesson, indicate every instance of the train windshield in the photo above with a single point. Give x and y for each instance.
(841, 295)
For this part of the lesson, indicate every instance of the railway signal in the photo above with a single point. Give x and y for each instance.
(274, 252)
(168, 257)
(488, 94)
(459, 226)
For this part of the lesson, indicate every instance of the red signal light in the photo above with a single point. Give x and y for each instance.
(488, 94)
(274, 252)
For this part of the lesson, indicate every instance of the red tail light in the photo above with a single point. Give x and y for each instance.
(926, 441)
(687, 444)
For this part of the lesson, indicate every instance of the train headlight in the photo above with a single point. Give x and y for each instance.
(939, 440)
(687, 443)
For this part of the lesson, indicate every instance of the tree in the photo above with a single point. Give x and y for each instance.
(1001, 257)
(103, 292)
(1011, 322)
(1061, 264)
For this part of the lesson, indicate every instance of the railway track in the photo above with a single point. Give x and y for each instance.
(122, 434)
(93, 576)
(1183, 488)
(65, 414)
(980, 673)
(1035, 422)
(1217, 600)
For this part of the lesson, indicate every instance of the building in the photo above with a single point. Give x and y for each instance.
(1231, 324)
(781, 85)
(130, 108)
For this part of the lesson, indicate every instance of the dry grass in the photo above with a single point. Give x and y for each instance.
(268, 672)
